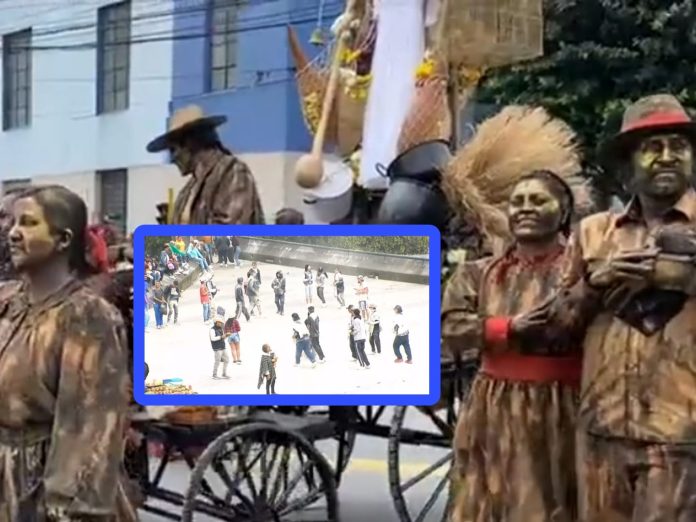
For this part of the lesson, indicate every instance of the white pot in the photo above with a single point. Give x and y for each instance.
(332, 199)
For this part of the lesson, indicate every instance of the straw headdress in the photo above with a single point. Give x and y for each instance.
(518, 140)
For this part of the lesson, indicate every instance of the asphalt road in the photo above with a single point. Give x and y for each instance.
(364, 491)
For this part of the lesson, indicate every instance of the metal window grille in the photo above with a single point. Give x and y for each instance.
(113, 57)
(113, 195)
(17, 79)
(223, 43)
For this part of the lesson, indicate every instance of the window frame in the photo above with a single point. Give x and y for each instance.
(14, 90)
(114, 33)
(222, 74)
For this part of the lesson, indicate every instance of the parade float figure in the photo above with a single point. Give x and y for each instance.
(637, 421)
(513, 464)
(514, 440)
(64, 373)
(221, 190)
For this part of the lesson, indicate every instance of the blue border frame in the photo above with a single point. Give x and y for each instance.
(285, 400)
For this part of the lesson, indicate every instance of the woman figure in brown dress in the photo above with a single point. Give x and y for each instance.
(64, 372)
(514, 440)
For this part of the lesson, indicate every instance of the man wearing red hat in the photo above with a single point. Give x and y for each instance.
(630, 290)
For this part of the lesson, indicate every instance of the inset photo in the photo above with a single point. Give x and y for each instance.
(286, 315)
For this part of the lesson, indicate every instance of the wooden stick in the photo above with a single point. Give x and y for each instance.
(343, 33)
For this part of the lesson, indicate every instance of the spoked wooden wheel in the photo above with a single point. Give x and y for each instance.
(262, 472)
(423, 494)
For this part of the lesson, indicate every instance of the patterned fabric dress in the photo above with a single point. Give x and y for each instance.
(64, 383)
(514, 440)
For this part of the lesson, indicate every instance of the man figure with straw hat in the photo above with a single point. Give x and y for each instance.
(221, 189)
(630, 291)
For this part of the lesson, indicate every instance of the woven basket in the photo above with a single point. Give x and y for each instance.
(192, 415)
(492, 33)
(429, 116)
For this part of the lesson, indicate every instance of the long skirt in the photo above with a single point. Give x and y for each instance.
(515, 453)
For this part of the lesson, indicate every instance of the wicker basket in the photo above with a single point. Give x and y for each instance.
(192, 415)
(492, 33)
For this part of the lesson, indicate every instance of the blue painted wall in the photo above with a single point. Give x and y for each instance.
(263, 109)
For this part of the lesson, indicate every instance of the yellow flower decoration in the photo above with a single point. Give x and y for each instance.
(426, 69)
(349, 56)
(470, 77)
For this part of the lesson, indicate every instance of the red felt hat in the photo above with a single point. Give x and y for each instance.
(658, 113)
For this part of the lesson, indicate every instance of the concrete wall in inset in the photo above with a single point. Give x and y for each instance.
(391, 267)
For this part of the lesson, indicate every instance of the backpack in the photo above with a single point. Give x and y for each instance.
(246, 288)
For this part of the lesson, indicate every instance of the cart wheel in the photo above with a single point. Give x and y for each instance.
(261, 472)
(428, 490)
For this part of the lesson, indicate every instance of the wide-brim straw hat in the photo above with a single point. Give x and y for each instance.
(649, 115)
(183, 121)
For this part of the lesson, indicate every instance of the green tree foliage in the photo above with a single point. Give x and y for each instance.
(599, 56)
(402, 245)
(155, 244)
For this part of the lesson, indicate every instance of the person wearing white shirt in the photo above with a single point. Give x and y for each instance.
(300, 334)
(375, 329)
(401, 336)
(359, 338)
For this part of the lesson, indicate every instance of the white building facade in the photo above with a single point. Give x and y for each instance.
(85, 86)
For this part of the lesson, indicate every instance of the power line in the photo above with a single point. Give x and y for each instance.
(179, 14)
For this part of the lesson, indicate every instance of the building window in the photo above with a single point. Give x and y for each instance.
(113, 57)
(16, 84)
(223, 43)
(113, 196)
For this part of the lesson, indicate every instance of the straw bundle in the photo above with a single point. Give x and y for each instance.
(491, 33)
(511, 144)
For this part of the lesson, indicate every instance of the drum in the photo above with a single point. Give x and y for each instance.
(332, 199)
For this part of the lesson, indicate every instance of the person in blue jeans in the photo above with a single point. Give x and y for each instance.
(196, 255)
(300, 334)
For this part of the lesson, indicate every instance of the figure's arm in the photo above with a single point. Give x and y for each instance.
(465, 332)
(87, 444)
(234, 202)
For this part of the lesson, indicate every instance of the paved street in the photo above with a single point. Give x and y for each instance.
(183, 350)
(364, 491)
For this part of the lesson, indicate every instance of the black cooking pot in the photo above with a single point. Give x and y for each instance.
(414, 195)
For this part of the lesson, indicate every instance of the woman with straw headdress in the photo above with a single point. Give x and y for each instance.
(514, 440)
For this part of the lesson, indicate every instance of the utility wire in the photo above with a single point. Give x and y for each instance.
(47, 32)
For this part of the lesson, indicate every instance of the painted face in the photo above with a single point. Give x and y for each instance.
(31, 240)
(534, 213)
(182, 157)
(662, 166)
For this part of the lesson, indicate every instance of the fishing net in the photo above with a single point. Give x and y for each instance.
(344, 130)
(312, 81)
(429, 116)
(491, 33)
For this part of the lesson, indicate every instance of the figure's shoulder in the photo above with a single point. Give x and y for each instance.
(9, 289)
(87, 305)
(598, 220)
